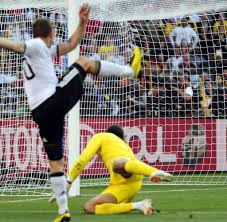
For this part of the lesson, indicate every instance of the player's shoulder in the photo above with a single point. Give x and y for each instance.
(34, 42)
(34, 47)
(102, 134)
(105, 135)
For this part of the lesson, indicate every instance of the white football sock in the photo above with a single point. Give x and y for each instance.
(112, 69)
(59, 183)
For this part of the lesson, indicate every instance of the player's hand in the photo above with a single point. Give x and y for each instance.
(84, 14)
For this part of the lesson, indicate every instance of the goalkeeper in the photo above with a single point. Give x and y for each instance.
(126, 174)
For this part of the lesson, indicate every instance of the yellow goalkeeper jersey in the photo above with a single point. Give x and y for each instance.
(109, 147)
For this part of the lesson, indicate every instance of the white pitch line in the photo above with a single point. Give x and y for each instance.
(175, 190)
(141, 192)
(23, 200)
(31, 211)
(206, 212)
(182, 190)
(80, 212)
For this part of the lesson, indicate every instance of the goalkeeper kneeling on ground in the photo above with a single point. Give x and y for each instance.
(126, 174)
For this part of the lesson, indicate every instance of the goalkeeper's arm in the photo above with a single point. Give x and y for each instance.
(91, 149)
(14, 46)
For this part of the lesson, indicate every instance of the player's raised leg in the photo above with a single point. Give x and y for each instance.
(105, 68)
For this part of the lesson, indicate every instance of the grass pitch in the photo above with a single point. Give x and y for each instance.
(171, 203)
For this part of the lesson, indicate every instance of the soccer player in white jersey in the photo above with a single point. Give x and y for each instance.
(50, 99)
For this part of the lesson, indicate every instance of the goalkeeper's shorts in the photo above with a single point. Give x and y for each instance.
(124, 193)
(50, 114)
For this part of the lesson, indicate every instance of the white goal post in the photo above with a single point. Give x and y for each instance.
(189, 142)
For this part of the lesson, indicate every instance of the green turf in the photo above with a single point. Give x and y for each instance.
(175, 203)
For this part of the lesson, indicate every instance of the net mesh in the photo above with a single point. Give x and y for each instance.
(174, 115)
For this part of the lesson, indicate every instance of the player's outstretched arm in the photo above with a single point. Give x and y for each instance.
(88, 153)
(74, 40)
(14, 46)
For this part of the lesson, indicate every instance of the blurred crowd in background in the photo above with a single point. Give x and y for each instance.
(184, 65)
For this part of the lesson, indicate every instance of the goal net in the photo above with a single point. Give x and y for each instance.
(173, 115)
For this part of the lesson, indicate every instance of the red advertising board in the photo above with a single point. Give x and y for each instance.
(169, 144)
(20, 145)
(175, 145)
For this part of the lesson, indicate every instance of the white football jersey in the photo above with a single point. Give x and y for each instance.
(39, 75)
